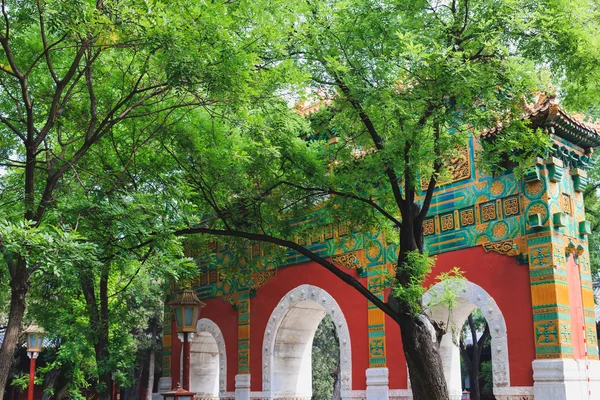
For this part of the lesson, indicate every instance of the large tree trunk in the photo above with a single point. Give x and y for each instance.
(98, 317)
(152, 361)
(19, 288)
(419, 337)
(150, 384)
(473, 365)
(57, 380)
(423, 358)
(337, 386)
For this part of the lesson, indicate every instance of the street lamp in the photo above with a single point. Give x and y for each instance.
(186, 307)
(178, 394)
(35, 338)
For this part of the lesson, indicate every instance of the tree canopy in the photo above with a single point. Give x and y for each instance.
(127, 125)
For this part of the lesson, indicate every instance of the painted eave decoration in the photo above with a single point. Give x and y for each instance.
(547, 113)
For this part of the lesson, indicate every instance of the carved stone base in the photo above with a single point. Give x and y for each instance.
(566, 379)
(242, 387)
(513, 393)
(377, 384)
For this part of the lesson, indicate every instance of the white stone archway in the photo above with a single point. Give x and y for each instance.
(287, 344)
(469, 296)
(208, 362)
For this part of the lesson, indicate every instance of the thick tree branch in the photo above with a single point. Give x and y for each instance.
(377, 140)
(345, 277)
(330, 191)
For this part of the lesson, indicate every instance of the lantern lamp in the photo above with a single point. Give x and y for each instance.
(179, 394)
(186, 307)
(35, 338)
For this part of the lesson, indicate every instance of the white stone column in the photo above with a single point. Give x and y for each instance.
(164, 384)
(450, 354)
(564, 379)
(377, 384)
(242, 387)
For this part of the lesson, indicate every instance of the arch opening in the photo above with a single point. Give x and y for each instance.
(204, 365)
(469, 297)
(207, 361)
(293, 350)
(288, 341)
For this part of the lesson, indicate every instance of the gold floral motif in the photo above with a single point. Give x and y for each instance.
(447, 222)
(565, 203)
(500, 230)
(428, 227)
(497, 188)
(459, 168)
(538, 209)
(348, 260)
(508, 247)
(260, 278)
(511, 206)
(534, 189)
(231, 299)
(373, 251)
(467, 217)
(488, 212)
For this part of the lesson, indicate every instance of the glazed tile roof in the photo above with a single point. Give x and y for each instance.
(548, 114)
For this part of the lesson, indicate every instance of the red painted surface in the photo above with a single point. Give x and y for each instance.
(576, 303)
(508, 283)
(31, 386)
(501, 276)
(186, 361)
(353, 305)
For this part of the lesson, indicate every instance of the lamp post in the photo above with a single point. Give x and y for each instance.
(35, 338)
(186, 307)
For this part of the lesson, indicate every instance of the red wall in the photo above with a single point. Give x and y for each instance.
(353, 305)
(222, 314)
(501, 276)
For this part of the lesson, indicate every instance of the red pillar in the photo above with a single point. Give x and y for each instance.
(186, 362)
(32, 359)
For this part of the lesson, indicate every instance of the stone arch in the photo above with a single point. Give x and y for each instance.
(208, 361)
(290, 332)
(469, 297)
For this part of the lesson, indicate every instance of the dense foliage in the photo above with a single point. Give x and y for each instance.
(127, 125)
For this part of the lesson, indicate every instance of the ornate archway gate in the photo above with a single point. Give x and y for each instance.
(521, 243)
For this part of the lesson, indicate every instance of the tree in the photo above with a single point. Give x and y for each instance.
(401, 85)
(74, 75)
(326, 362)
(476, 324)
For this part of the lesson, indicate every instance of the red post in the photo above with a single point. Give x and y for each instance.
(186, 362)
(31, 376)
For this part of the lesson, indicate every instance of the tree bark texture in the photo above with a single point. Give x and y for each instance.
(474, 364)
(19, 289)
(337, 386)
(154, 326)
(150, 385)
(423, 357)
(99, 325)
(421, 348)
